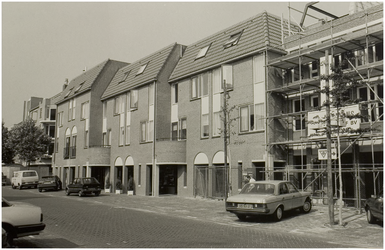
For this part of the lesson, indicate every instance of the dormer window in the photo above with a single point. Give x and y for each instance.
(124, 77)
(233, 40)
(68, 93)
(203, 52)
(141, 69)
(79, 87)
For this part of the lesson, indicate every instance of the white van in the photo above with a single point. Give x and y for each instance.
(25, 178)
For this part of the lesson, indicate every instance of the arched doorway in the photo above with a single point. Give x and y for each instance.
(220, 174)
(201, 166)
(129, 174)
(118, 174)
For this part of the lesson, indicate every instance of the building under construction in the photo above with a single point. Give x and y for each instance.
(295, 147)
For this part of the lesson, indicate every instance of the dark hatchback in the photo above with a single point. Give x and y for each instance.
(374, 208)
(51, 182)
(83, 186)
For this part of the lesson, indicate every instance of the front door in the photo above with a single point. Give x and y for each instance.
(168, 176)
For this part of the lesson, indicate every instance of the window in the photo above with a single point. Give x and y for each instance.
(52, 116)
(174, 131)
(86, 141)
(195, 88)
(217, 124)
(205, 125)
(183, 129)
(134, 99)
(60, 119)
(247, 118)
(205, 84)
(370, 108)
(227, 73)
(315, 101)
(174, 93)
(202, 52)
(121, 129)
(128, 128)
(79, 87)
(151, 94)
(124, 77)
(259, 113)
(233, 40)
(71, 109)
(143, 126)
(85, 110)
(141, 69)
(298, 106)
(217, 81)
(150, 131)
(107, 138)
(68, 93)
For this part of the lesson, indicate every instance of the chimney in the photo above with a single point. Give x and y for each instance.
(65, 85)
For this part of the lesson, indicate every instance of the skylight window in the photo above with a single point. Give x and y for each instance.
(141, 69)
(124, 77)
(233, 40)
(203, 52)
(68, 93)
(79, 87)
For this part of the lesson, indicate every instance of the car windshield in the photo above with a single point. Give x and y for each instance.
(26, 174)
(90, 181)
(48, 178)
(258, 188)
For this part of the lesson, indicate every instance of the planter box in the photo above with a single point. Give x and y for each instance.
(107, 190)
(118, 191)
(130, 192)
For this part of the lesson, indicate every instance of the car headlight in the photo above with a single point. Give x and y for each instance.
(261, 205)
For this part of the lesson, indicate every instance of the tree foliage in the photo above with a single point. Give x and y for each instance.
(7, 151)
(29, 141)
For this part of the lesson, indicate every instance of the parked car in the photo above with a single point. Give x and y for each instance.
(3, 179)
(83, 186)
(268, 198)
(374, 208)
(20, 219)
(51, 182)
(25, 178)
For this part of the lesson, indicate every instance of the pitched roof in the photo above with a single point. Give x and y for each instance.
(258, 32)
(129, 78)
(81, 83)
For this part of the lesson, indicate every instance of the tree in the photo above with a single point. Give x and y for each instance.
(338, 89)
(29, 141)
(7, 151)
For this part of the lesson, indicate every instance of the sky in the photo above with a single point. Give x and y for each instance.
(43, 43)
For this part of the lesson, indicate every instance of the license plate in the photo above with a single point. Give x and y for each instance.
(248, 206)
(91, 189)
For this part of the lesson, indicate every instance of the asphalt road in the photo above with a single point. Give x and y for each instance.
(95, 222)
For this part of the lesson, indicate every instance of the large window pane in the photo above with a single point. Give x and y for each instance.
(244, 114)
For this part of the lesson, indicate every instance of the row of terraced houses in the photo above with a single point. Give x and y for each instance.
(159, 120)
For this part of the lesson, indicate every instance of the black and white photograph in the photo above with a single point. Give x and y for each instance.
(192, 124)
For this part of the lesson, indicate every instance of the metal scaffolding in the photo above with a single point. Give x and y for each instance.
(360, 38)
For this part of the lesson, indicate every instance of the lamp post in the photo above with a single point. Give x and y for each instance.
(225, 136)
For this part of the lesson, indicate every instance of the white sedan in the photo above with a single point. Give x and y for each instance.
(268, 198)
(20, 219)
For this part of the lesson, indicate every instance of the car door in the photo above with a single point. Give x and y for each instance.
(285, 196)
(295, 195)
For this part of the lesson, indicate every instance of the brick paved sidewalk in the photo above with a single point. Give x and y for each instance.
(356, 232)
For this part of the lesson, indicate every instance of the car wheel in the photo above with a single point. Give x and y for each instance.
(80, 193)
(19, 187)
(278, 213)
(97, 193)
(306, 207)
(40, 190)
(13, 186)
(7, 237)
(67, 192)
(241, 217)
(369, 216)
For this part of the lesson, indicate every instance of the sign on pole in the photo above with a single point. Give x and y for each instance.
(323, 154)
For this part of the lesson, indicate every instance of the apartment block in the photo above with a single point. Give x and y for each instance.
(79, 149)
(136, 127)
